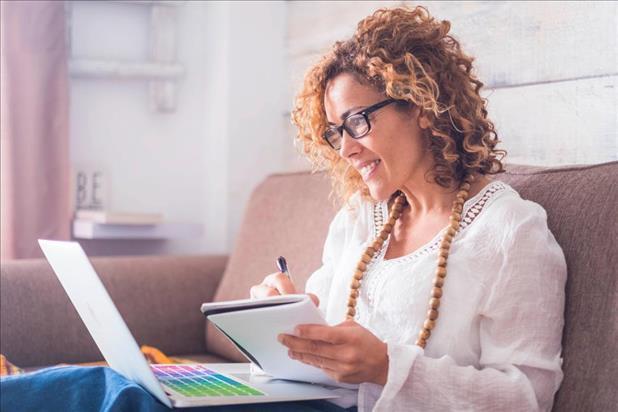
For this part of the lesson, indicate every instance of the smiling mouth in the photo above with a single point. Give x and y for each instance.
(367, 171)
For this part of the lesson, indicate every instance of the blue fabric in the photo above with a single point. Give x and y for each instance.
(73, 388)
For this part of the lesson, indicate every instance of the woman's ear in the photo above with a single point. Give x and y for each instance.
(421, 119)
(423, 122)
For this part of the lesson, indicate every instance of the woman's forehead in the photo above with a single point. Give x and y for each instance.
(344, 92)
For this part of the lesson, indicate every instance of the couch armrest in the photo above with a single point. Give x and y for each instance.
(159, 298)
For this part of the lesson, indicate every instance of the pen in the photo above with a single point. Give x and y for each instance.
(283, 267)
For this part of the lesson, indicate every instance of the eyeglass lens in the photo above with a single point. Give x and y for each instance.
(356, 126)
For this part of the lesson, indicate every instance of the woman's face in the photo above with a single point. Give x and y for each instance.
(393, 154)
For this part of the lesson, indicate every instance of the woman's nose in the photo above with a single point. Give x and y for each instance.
(349, 146)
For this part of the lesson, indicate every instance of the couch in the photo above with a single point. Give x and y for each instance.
(288, 214)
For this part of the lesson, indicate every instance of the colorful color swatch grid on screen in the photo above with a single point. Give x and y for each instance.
(198, 381)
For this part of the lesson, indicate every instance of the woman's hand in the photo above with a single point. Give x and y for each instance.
(275, 284)
(346, 352)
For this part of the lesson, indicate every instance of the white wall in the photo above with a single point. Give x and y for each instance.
(257, 139)
(200, 163)
(550, 68)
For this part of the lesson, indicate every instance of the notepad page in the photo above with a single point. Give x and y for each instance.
(256, 330)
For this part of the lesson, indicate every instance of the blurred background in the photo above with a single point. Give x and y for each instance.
(173, 111)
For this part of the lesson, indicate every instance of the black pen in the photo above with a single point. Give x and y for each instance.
(283, 267)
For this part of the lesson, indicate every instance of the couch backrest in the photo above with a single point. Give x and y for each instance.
(158, 297)
(582, 208)
(289, 215)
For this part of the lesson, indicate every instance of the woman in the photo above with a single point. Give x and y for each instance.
(445, 288)
(396, 117)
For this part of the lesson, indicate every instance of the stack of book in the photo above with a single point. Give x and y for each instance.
(101, 224)
(118, 218)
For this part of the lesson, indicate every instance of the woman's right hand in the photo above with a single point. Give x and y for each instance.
(276, 284)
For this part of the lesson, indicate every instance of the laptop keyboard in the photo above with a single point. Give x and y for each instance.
(199, 381)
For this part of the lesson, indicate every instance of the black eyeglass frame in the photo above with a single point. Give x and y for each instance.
(365, 113)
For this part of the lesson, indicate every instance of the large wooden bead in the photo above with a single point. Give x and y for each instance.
(351, 312)
(455, 225)
(377, 244)
(387, 227)
(438, 282)
(398, 207)
(424, 334)
(355, 284)
(443, 253)
(421, 342)
(441, 261)
(441, 272)
(351, 302)
(465, 186)
(358, 274)
(434, 303)
(366, 258)
(432, 314)
(436, 292)
(391, 221)
(361, 266)
(451, 231)
(429, 324)
(370, 251)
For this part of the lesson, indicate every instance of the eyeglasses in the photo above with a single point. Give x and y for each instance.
(357, 125)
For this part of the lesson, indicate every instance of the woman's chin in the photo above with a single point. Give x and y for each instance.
(379, 194)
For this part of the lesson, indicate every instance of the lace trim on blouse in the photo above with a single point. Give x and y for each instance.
(471, 210)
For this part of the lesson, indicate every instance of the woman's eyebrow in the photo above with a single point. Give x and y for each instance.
(350, 110)
(347, 113)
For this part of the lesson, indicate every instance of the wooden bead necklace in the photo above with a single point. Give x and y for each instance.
(445, 245)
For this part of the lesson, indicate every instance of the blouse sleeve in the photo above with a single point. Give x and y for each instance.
(521, 321)
(319, 283)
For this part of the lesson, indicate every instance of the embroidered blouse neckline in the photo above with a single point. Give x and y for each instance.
(471, 209)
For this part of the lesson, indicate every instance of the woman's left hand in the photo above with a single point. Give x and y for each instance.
(346, 352)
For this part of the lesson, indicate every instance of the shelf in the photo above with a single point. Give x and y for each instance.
(83, 229)
(98, 68)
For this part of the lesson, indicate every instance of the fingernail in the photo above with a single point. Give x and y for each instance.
(280, 338)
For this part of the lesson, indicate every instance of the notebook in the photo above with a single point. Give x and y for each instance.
(253, 325)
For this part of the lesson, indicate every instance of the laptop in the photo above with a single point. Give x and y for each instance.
(175, 385)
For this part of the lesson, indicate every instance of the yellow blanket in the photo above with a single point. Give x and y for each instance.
(152, 355)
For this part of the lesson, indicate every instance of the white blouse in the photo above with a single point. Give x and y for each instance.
(497, 342)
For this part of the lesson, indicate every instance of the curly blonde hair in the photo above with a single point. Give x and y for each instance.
(407, 55)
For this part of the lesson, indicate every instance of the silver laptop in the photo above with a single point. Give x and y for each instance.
(177, 385)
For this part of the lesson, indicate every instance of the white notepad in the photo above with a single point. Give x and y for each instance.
(254, 324)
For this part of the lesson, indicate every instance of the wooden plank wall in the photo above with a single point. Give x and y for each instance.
(550, 68)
